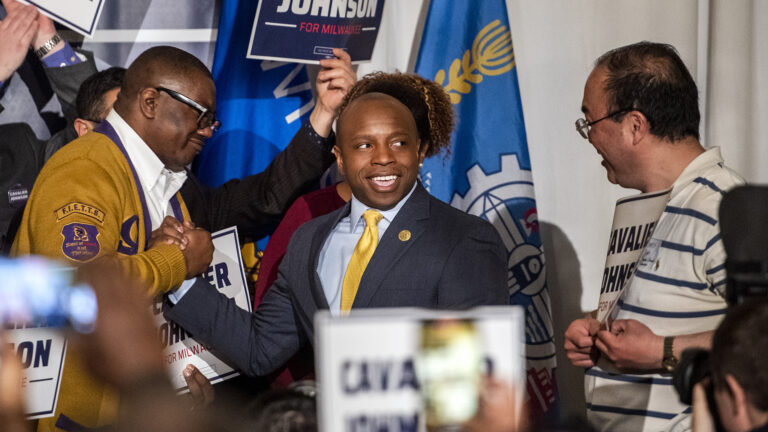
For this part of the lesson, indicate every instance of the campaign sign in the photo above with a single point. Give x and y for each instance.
(634, 219)
(306, 31)
(40, 351)
(226, 273)
(79, 15)
(368, 363)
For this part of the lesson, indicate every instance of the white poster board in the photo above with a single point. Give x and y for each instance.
(81, 16)
(226, 273)
(634, 219)
(41, 353)
(365, 363)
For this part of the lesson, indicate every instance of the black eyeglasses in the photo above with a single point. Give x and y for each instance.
(582, 125)
(206, 119)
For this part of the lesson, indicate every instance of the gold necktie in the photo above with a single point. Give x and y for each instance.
(360, 257)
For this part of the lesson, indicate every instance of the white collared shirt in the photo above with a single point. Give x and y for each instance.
(340, 244)
(158, 182)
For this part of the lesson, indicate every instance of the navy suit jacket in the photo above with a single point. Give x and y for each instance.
(452, 260)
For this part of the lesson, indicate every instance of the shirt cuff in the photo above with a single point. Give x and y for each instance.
(64, 57)
(176, 296)
(2, 90)
(323, 142)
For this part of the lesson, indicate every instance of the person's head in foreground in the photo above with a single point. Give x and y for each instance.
(738, 366)
(388, 124)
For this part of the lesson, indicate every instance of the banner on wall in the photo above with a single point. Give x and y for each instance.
(307, 31)
(467, 48)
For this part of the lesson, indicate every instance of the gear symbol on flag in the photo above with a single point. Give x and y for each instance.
(498, 198)
(506, 199)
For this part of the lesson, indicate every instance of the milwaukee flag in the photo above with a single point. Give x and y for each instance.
(467, 48)
(261, 104)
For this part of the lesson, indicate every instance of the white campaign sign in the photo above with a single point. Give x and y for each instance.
(634, 219)
(365, 363)
(41, 353)
(79, 15)
(227, 274)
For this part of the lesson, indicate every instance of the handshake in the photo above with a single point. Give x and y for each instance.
(195, 243)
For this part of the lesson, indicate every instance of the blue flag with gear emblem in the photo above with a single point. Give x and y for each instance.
(467, 48)
(261, 104)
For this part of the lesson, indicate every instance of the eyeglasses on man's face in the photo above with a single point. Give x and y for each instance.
(206, 119)
(582, 125)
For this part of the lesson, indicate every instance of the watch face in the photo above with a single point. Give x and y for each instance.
(669, 363)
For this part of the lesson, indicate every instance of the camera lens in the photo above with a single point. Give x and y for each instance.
(692, 368)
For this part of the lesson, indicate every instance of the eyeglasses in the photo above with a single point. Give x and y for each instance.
(582, 125)
(206, 119)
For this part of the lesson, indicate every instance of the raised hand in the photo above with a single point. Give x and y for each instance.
(333, 83)
(16, 33)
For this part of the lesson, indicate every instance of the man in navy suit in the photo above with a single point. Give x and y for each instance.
(426, 253)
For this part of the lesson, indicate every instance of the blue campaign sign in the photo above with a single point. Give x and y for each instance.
(306, 31)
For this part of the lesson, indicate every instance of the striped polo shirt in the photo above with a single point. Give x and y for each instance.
(678, 289)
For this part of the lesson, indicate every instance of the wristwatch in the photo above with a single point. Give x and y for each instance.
(669, 361)
(48, 45)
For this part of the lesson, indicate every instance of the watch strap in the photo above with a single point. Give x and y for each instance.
(669, 361)
(48, 45)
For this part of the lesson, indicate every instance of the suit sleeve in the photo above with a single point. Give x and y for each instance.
(71, 216)
(65, 82)
(257, 343)
(256, 203)
(475, 273)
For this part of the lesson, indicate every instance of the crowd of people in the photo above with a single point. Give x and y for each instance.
(112, 195)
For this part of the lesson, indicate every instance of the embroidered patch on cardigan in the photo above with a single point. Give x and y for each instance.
(81, 241)
(79, 208)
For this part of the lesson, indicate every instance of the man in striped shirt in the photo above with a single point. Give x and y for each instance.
(642, 116)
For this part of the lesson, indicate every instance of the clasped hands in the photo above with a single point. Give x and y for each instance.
(195, 243)
(629, 344)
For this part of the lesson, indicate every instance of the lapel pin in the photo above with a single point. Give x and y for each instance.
(404, 235)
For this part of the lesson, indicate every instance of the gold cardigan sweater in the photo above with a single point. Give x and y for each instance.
(86, 203)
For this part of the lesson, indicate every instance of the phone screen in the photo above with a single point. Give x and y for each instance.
(450, 367)
(41, 291)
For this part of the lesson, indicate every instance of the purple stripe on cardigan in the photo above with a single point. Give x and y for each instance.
(105, 128)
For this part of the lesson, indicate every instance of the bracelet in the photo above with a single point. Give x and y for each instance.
(48, 45)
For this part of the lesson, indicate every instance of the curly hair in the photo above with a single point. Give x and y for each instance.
(427, 101)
